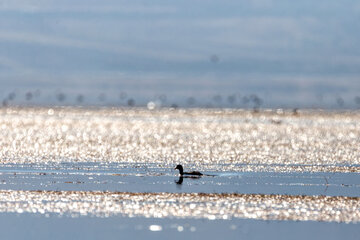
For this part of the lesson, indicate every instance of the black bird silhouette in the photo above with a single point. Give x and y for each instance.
(193, 173)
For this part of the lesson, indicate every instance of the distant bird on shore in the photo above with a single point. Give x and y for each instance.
(193, 173)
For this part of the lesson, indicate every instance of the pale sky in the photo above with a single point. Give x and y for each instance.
(290, 53)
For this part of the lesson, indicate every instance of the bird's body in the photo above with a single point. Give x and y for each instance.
(193, 173)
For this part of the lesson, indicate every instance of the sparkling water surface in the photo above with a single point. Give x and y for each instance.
(117, 164)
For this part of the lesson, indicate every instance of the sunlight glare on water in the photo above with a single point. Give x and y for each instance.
(220, 140)
(268, 165)
(192, 205)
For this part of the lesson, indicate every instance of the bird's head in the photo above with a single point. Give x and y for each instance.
(180, 168)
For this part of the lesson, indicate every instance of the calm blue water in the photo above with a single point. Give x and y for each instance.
(39, 227)
(149, 178)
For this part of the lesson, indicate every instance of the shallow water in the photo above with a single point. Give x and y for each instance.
(113, 168)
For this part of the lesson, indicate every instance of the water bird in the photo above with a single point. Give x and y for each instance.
(193, 173)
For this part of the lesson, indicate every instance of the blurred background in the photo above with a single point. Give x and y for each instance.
(229, 53)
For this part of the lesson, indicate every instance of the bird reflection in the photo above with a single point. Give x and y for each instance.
(181, 179)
